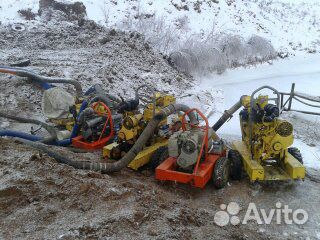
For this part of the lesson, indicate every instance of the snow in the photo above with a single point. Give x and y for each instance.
(311, 155)
(286, 23)
(278, 21)
(9, 9)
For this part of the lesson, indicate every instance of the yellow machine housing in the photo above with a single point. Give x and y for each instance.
(264, 147)
(143, 157)
(134, 124)
(161, 102)
(131, 127)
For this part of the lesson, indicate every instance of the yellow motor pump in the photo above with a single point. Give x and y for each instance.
(133, 125)
(160, 102)
(264, 152)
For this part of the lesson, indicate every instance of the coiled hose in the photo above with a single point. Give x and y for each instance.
(124, 161)
(41, 79)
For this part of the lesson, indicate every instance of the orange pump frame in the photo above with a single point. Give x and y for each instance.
(202, 171)
(79, 141)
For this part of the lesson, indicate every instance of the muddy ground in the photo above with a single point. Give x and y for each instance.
(41, 199)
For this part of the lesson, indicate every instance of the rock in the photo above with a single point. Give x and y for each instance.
(311, 50)
(147, 46)
(27, 14)
(73, 11)
(21, 63)
(113, 32)
(104, 40)
(153, 232)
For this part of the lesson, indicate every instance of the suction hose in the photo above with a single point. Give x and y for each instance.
(99, 90)
(228, 114)
(12, 133)
(102, 95)
(124, 161)
(50, 129)
(35, 77)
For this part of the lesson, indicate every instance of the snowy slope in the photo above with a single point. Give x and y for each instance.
(287, 23)
(9, 10)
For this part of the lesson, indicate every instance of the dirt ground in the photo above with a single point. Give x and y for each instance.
(41, 199)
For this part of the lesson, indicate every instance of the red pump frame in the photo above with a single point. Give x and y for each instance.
(202, 171)
(79, 141)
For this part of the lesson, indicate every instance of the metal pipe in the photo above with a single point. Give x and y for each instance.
(305, 112)
(308, 104)
(228, 114)
(291, 95)
(92, 122)
(35, 77)
(306, 97)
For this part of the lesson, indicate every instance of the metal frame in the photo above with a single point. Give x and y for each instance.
(287, 105)
(202, 172)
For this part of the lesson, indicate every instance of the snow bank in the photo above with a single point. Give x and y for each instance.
(311, 155)
(224, 51)
(204, 36)
(169, 23)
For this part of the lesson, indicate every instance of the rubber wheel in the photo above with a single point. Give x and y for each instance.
(236, 166)
(158, 157)
(295, 152)
(221, 172)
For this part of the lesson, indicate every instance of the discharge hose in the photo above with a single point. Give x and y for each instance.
(124, 161)
(34, 138)
(101, 93)
(228, 114)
